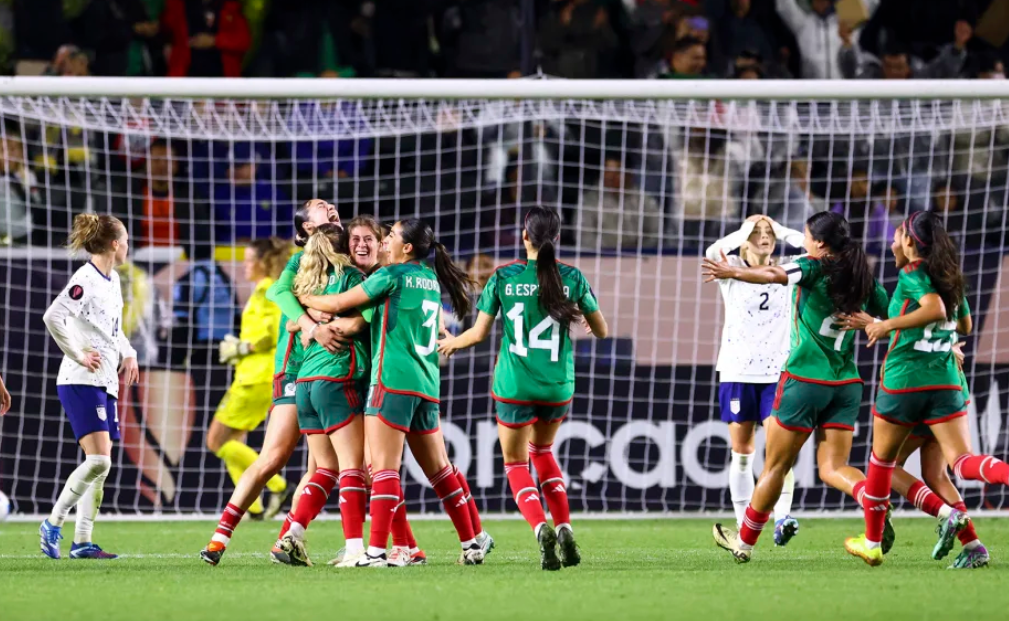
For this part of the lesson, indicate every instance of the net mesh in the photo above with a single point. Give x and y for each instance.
(642, 186)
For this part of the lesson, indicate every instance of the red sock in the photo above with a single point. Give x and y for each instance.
(474, 513)
(402, 533)
(352, 502)
(230, 518)
(313, 497)
(877, 496)
(526, 495)
(925, 499)
(968, 534)
(551, 483)
(446, 485)
(981, 468)
(753, 523)
(287, 524)
(858, 492)
(385, 495)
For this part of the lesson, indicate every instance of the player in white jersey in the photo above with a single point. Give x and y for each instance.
(755, 345)
(85, 321)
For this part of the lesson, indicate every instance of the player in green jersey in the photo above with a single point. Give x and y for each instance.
(403, 400)
(534, 380)
(329, 399)
(820, 387)
(921, 378)
(282, 426)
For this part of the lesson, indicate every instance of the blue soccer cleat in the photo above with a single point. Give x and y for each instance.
(49, 539)
(947, 530)
(971, 559)
(785, 529)
(90, 550)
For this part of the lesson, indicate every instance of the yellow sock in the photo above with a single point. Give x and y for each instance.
(276, 484)
(237, 458)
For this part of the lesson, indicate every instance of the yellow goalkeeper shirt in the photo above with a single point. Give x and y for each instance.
(260, 323)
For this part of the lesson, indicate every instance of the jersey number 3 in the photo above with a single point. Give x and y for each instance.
(430, 309)
(536, 340)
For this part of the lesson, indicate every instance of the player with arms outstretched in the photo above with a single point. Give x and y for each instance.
(820, 388)
(534, 380)
(754, 348)
(282, 432)
(921, 380)
(85, 321)
(403, 400)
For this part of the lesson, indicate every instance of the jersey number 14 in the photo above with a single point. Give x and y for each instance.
(551, 343)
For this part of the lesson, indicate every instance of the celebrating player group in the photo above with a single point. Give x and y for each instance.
(356, 372)
(922, 398)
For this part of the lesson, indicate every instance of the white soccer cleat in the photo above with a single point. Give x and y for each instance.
(350, 559)
(486, 542)
(727, 539)
(400, 557)
(372, 561)
(339, 557)
(471, 556)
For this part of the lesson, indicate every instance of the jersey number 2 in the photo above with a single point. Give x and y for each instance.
(763, 305)
(430, 309)
(536, 340)
(929, 344)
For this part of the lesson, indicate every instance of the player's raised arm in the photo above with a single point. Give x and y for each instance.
(449, 344)
(763, 275)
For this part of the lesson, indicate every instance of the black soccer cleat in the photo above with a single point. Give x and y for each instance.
(548, 548)
(570, 553)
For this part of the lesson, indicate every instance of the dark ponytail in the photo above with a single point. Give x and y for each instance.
(941, 258)
(452, 277)
(300, 218)
(849, 280)
(543, 226)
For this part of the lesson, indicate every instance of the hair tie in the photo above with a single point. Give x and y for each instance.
(909, 227)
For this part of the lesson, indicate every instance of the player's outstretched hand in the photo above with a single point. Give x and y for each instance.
(447, 344)
(92, 361)
(129, 371)
(717, 270)
(331, 338)
(318, 316)
(5, 399)
(854, 321)
(876, 331)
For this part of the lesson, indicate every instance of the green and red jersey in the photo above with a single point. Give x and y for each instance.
(820, 351)
(404, 329)
(536, 365)
(921, 358)
(289, 351)
(344, 365)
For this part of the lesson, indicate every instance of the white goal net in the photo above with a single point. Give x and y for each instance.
(643, 177)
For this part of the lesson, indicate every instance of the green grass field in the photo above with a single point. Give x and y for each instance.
(656, 569)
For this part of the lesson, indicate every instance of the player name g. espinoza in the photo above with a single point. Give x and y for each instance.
(528, 289)
(415, 282)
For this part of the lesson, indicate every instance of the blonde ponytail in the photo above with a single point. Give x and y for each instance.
(318, 260)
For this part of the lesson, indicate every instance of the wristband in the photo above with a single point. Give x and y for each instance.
(312, 331)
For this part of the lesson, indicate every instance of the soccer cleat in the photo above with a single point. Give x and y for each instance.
(472, 555)
(947, 530)
(351, 559)
(276, 502)
(90, 550)
(785, 529)
(971, 559)
(212, 553)
(889, 534)
(486, 542)
(728, 539)
(372, 561)
(49, 539)
(339, 557)
(859, 546)
(570, 553)
(418, 557)
(402, 557)
(290, 551)
(548, 548)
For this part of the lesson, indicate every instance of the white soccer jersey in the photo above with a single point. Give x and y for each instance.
(87, 315)
(755, 336)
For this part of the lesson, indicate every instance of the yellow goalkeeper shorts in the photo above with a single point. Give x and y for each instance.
(245, 406)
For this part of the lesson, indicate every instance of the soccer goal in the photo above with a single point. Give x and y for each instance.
(645, 176)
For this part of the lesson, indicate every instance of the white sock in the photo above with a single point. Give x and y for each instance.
(945, 511)
(871, 544)
(741, 483)
(970, 545)
(77, 484)
(466, 545)
(87, 510)
(219, 538)
(784, 505)
(354, 546)
(374, 552)
(296, 531)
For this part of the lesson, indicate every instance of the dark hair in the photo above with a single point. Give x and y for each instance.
(94, 233)
(451, 276)
(543, 226)
(300, 218)
(940, 256)
(685, 43)
(849, 279)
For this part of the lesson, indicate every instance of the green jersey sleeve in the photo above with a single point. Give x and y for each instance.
(489, 302)
(281, 292)
(916, 284)
(586, 299)
(380, 284)
(963, 310)
(804, 271)
(878, 302)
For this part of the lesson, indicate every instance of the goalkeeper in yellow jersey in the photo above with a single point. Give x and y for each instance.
(248, 401)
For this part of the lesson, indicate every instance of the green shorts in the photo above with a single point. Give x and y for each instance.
(520, 415)
(283, 389)
(325, 406)
(803, 406)
(929, 407)
(408, 413)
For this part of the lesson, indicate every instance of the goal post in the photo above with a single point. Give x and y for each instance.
(645, 175)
